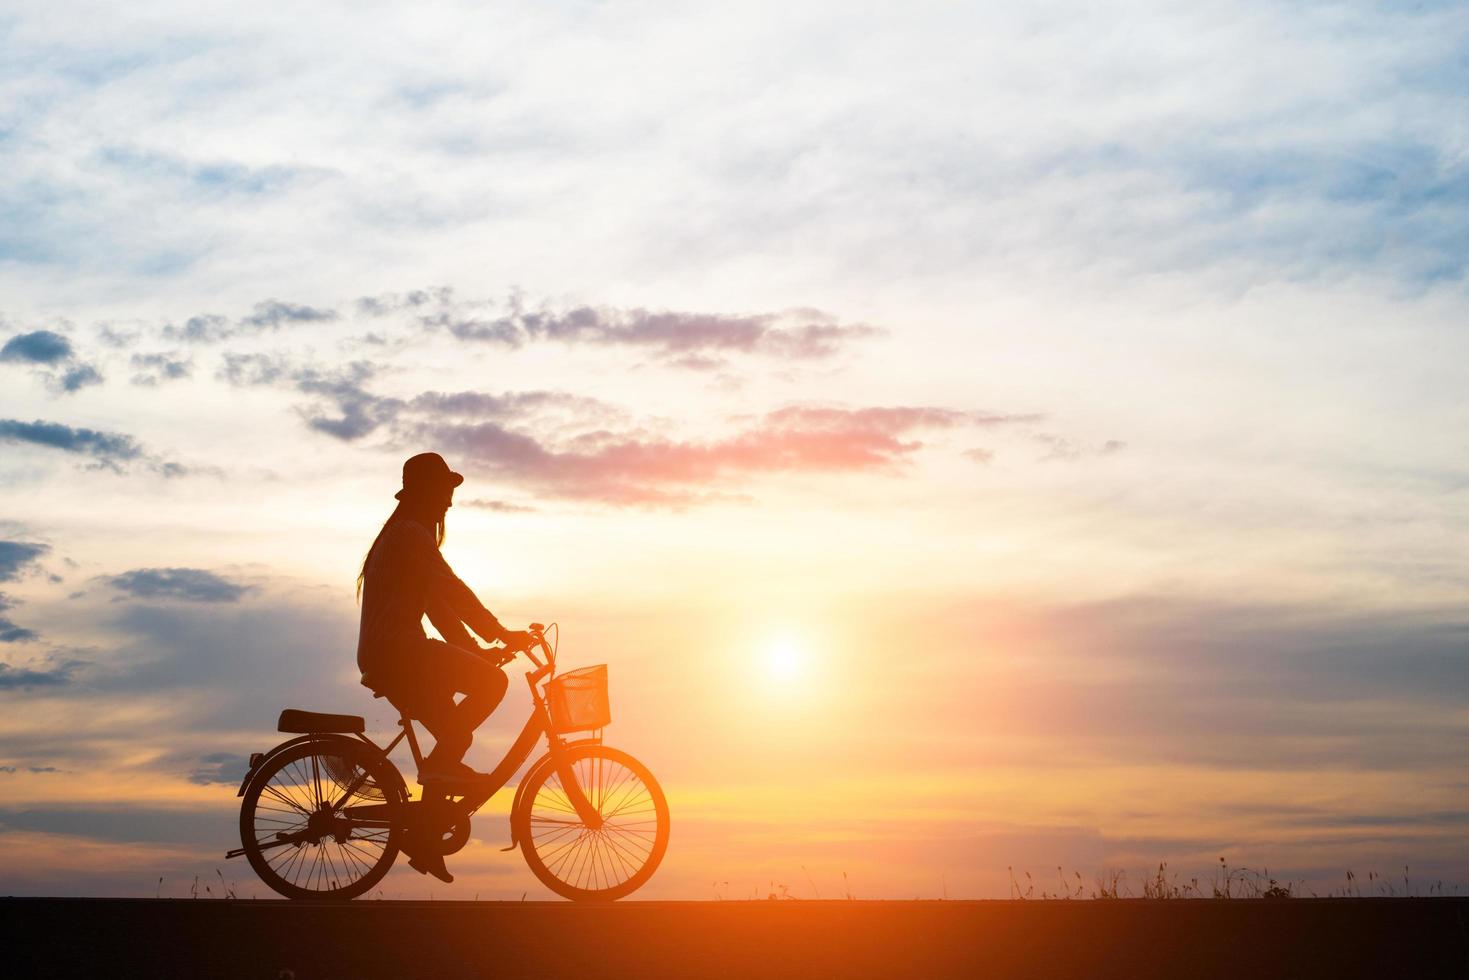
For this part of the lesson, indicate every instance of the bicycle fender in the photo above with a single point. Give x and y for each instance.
(541, 763)
(258, 759)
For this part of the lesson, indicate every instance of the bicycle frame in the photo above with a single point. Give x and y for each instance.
(537, 725)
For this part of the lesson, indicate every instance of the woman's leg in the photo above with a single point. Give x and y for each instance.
(450, 669)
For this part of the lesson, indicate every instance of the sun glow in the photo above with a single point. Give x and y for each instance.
(786, 664)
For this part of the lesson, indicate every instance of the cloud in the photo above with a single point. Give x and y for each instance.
(151, 370)
(1162, 680)
(45, 349)
(244, 662)
(512, 405)
(119, 339)
(679, 338)
(627, 469)
(1061, 448)
(578, 447)
(211, 180)
(109, 450)
(498, 506)
(353, 413)
(204, 328)
(502, 331)
(342, 407)
(192, 584)
(389, 303)
(16, 557)
(11, 633)
(76, 378)
(220, 767)
(358, 412)
(40, 347)
(267, 316)
(253, 369)
(798, 334)
(271, 313)
(685, 339)
(52, 673)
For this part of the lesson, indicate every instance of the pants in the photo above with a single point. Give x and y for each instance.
(423, 684)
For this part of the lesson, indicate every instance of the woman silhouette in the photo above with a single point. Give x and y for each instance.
(404, 578)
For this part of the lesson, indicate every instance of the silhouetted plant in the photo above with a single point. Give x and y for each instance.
(1111, 885)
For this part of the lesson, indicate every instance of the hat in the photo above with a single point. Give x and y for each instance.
(425, 473)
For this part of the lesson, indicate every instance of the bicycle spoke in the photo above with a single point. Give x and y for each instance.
(583, 860)
(625, 860)
(634, 793)
(611, 861)
(566, 851)
(551, 833)
(282, 797)
(628, 776)
(634, 861)
(565, 795)
(284, 791)
(284, 857)
(562, 844)
(358, 860)
(292, 865)
(550, 804)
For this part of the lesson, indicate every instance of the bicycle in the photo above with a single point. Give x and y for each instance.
(325, 815)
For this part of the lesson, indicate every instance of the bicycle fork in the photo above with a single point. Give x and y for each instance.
(589, 814)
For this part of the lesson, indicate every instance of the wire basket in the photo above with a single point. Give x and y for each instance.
(578, 700)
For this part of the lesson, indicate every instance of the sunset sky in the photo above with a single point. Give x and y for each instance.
(975, 437)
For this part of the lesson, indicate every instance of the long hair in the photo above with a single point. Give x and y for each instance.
(393, 518)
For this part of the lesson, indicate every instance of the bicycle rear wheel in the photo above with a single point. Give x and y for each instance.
(580, 863)
(323, 819)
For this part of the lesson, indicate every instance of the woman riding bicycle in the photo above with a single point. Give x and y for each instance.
(404, 578)
(326, 813)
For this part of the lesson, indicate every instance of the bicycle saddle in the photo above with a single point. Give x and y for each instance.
(300, 722)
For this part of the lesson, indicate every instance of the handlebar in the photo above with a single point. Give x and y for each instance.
(545, 662)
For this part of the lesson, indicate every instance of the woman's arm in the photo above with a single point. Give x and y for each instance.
(444, 590)
(448, 624)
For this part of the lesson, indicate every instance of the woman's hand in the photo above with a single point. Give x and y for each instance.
(516, 640)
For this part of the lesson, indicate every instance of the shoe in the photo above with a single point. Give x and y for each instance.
(431, 864)
(448, 772)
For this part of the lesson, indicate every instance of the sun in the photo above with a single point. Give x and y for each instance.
(786, 664)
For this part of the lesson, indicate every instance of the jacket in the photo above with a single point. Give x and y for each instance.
(406, 578)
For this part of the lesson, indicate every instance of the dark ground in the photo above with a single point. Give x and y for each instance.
(1414, 939)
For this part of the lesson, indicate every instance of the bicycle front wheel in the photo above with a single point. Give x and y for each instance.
(323, 819)
(572, 859)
